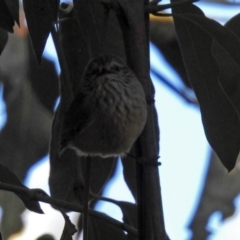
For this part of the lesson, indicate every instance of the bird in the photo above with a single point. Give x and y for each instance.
(108, 111)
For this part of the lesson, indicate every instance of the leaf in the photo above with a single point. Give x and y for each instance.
(3, 39)
(226, 38)
(7, 176)
(66, 176)
(129, 211)
(100, 230)
(66, 173)
(6, 19)
(229, 75)
(129, 173)
(69, 228)
(46, 237)
(102, 34)
(54, 4)
(87, 21)
(13, 6)
(221, 124)
(39, 20)
(30, 204)
(44, 80)
(77, 56)
(1, 238)
(233, 25)
(229, 70)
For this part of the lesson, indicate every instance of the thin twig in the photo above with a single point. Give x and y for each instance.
(149, 8)
(136, 42)
(180, 92)
(154, 2)
(86, 197)
(161, 14)
(68, 206)
(106, 199)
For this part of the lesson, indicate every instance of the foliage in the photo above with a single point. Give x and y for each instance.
(203, 42)
(209, 64)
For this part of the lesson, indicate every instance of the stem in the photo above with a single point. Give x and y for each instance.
(136, 39)
(140, 203)
(86, 197)
(65, 83)
(68, 206)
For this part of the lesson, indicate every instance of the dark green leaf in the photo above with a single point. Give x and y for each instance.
(233, 25)
(13, 6)
(63, 171)
(6, 19)
(7, 176)
(54, 4)
(1, 238)
(46, 237)
(69, 228)
(3, 39)
(226, 38)
(87, 22)
(77, 56)
(129, 211)
(229, 78)
(229, 70)
(102, 34)
(66, 179)
(44, 80)
(229, 75)
(101, 172)
(100, 230)
(66, 175)
(39, 20)
(129, 174)
(195, 34)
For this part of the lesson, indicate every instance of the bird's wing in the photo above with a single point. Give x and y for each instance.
(75, 119)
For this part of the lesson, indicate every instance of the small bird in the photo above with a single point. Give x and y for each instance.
(108, 111)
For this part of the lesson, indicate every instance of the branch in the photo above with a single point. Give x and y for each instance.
(134, 24)
(150, 8)
(180, 92)
(86, 197)
(65, 83)
(39, 195)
